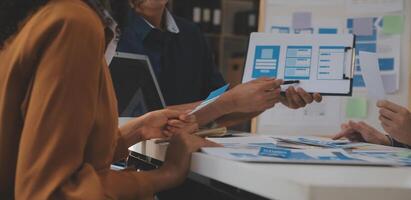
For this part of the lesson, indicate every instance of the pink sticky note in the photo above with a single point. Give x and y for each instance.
(390, 83)
(301, 20)
(363, 26)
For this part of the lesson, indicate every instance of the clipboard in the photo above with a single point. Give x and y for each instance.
(322, 63)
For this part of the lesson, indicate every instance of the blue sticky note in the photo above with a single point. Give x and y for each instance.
(386, 64)
(274, 152)
(217, 93)
(358, 81)
(327, 31)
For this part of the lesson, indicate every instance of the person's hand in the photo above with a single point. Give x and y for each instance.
(298, 98)
(178, 156)
(362, 132)
(165, 123)
(396, 121)
(254, 96)
(185, 124)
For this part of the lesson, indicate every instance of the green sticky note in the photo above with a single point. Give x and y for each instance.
(393, 24)
(357, 108)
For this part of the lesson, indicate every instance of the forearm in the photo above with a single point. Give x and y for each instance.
(235, 118)
(396, 143)
(184, 107)
(214, 111)
(131, 133)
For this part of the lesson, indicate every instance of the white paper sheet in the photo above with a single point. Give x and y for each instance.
(375, 6)
(320, 62)
(372, 75)
(251, 141)
(308, 156)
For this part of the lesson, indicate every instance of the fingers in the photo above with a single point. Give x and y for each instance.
(387, 122)
(199, 142)
(271, 84)
(176, 123)
(208, 143)
(193, 143)
(317, 97)
(167, 133)
(390, 106)
(289, 99)
(345, 132)
(188, 118)
(172, 114)
(341, 134)
(274, 94)
(308, 98)
(364, 129)
(295, 97)
(188, 129)
(386, 113)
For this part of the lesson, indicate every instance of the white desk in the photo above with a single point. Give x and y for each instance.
(301, 182)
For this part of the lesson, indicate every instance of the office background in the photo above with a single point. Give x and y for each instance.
(381, 26)
(226, 25)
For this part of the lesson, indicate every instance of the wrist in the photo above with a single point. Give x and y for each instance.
(226, 104)
(387, 140)
(170, 177)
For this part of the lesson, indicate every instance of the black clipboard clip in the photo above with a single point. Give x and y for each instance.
(352, 61)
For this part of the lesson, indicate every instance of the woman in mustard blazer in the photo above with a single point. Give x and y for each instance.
(58, 115)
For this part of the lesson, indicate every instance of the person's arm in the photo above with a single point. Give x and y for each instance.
(396, 121)
(185, 107)
(362, 132)
(248, 100)
(60, 117)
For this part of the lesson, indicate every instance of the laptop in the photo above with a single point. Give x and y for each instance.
(135, 85)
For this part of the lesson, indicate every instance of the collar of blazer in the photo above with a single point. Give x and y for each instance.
(112, 30)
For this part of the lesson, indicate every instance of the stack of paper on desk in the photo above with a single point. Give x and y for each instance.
(321, 142)
(267, 149)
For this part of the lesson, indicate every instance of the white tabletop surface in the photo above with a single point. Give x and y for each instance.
(301, 182)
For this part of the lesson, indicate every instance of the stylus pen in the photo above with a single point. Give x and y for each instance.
(290, 82)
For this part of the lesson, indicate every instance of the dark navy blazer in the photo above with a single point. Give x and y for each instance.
(183, 61)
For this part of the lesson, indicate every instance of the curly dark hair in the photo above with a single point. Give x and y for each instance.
(12, 12)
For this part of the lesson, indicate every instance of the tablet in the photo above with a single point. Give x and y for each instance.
(319, 63)
(135, 84)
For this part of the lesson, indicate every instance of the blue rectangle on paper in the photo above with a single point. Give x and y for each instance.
(280, 29)
(358, 81)
(327, 31)
(370, 47)
(274, 152)
(300, 156)
(217, 92)
(332, 47)
(350, 23)
(367, 38)
(386, 64)
(266, 61)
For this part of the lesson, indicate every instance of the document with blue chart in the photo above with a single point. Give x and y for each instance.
(322, 63)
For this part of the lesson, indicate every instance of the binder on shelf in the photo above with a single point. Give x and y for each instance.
(206, 22)
(216, 16)
(197, 12)
(250, 17)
